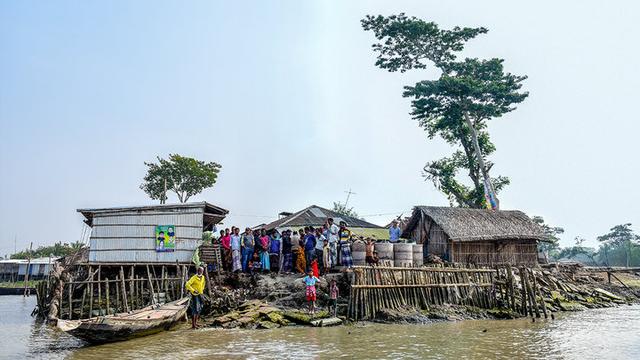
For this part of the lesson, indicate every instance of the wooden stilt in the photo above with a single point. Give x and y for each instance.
(99, 291)
(106, 284)
(124, 290)
(153, 298)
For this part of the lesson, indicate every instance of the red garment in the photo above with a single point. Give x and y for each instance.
(264, 241)
(226, 241)
(311, 293)
(314, 268)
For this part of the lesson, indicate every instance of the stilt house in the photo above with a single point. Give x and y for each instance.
(158, 234)
(476, 236)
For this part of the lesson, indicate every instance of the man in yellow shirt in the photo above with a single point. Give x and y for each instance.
(195, 286)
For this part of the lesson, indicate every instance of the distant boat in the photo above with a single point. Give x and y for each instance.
(124, 326)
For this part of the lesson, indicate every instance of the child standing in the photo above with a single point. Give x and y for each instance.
(333, 297)
(369, 250)
(310, 281)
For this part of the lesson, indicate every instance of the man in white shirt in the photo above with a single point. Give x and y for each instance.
(333, 240)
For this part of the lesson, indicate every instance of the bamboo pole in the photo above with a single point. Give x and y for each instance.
(153, 298)
(107, 296)
(91, 293)
(99, 291)
(536, 291)
(124, 290)
(132, 293)
(118, 278)
(27, 290)
(70, 301)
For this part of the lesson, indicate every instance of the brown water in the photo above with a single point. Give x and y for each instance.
(595, 334)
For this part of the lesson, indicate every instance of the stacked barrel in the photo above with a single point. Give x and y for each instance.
(385, 253)
(402, 255)
(358, 252)
(390, 254)
(418, 256)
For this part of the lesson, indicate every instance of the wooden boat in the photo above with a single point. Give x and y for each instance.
(125, 326)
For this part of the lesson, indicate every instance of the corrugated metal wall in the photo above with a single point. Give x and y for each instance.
(126, 237)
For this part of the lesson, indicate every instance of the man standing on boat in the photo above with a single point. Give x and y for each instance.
(195, 286)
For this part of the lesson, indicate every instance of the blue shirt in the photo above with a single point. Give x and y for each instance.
(275, 245)
(309, 243)
(310, 280)
(394, 233)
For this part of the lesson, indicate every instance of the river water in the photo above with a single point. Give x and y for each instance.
(612, 333)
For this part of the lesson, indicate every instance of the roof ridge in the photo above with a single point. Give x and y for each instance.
(296, 215)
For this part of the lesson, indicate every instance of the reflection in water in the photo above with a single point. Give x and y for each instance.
(604, 333)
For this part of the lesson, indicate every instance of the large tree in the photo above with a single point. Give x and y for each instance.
(182, 175)
(456, 106)
(621, 237)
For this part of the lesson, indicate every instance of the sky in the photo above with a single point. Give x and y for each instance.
(286, 97)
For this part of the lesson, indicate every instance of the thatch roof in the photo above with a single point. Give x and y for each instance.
(316, 216)
(463, 224)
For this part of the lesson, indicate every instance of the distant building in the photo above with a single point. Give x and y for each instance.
(316, 216)
(475, 236)
(16, 269)
(158, 234)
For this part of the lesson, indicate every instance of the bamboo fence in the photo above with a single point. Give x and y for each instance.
(376, 288)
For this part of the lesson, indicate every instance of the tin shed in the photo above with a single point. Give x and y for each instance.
(128, 234)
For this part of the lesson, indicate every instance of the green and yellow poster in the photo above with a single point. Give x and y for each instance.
(165, 238)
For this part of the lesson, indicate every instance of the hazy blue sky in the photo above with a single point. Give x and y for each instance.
(284, 94)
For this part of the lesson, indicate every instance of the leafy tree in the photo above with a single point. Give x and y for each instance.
(457, 105)
(57, 249)
(552, 245)
(342, 209)
(621, 237)
(182, 175)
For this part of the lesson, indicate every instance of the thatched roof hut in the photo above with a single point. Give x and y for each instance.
(475, 235)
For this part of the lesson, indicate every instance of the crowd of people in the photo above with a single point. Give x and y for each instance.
(318, 249)
(309, 251)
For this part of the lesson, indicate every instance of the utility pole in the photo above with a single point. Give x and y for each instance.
(27, 290)
(349, 193)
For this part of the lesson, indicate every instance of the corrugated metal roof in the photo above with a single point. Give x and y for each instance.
(316, 216)
(210, 210)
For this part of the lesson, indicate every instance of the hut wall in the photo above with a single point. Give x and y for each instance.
(516, 252)
(438, 242)
(430, 234)
(129, 237)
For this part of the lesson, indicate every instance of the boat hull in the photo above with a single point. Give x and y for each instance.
(126, 326)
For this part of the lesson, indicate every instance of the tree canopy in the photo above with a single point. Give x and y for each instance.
(57, 249)
(342, 209)
(181, 175)
(457, 105)
(620, 237)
